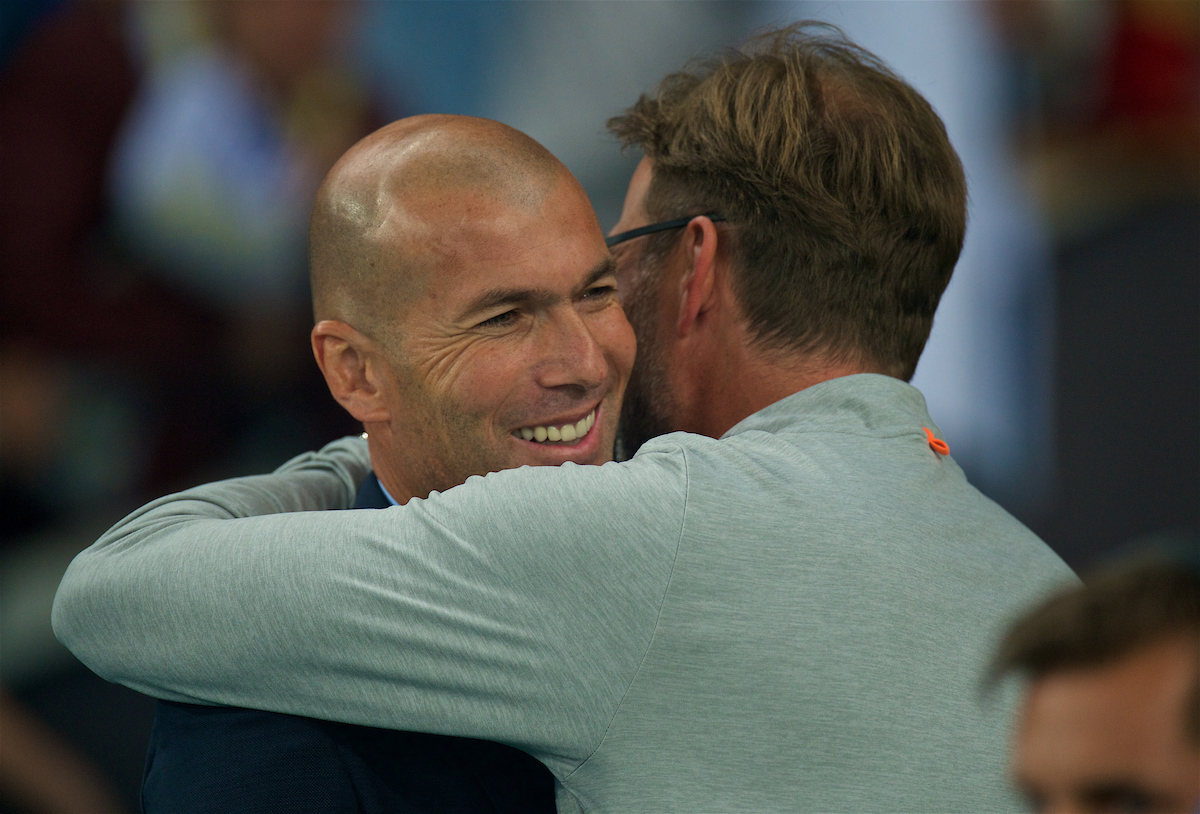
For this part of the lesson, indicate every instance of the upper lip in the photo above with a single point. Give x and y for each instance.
(558, 422)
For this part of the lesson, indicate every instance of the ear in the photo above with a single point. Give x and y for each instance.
(352, 366)
(698, 286)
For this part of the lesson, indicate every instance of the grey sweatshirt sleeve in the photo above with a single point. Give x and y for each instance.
(515, 607)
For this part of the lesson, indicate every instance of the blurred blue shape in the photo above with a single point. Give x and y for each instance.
(434, 56)
(556, 71)
(207, 189)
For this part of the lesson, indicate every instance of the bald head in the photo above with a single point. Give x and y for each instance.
(379, 214)
(464, 293)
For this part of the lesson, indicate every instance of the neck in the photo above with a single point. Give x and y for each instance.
(742, 378)
(385, 468)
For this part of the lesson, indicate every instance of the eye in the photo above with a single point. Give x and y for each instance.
(499, 321)
(600, 291)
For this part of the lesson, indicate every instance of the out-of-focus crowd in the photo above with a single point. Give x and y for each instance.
(158, 164)
(157, 174)
(1109, 134)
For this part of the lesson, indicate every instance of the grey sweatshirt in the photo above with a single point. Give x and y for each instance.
(791, 618)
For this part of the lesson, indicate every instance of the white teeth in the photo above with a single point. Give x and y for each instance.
(567, 432)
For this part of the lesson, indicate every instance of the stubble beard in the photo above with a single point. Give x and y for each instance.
(648, 406)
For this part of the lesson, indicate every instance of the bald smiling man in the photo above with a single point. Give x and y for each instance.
(426, 240)
(424, 237)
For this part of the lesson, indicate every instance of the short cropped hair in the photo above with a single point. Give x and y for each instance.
(848, 200)
(1116, 612)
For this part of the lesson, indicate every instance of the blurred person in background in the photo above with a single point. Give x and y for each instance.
(127, 364)
(245, 108)
(152, 221)
(1107, 96)
(215, 170)
(83, 337)
(1110, 720)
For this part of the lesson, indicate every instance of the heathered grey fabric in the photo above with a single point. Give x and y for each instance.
(792, 618)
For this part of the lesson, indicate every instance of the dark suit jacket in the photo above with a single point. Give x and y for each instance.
(226, 760)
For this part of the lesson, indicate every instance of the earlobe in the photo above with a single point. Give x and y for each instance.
(698, 286)
(349, 363)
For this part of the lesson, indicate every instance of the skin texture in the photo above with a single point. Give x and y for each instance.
(1112, 738)
(698, 368)
(649, 406)
(463, 292)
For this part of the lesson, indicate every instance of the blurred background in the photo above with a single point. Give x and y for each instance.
(157, 163)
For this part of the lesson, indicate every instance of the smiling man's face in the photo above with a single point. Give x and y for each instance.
(515, 351)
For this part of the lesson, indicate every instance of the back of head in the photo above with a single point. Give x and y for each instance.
(377, 224)
(849, 202)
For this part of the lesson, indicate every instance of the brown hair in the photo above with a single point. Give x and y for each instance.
(1116, 612)
(849, 202)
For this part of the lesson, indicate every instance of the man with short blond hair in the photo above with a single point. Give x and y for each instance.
(843, 204)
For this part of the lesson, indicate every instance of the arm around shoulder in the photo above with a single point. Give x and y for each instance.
(126, 558)
(516, 607)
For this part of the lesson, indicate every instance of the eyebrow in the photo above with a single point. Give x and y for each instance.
(606, 267)
(536, 296)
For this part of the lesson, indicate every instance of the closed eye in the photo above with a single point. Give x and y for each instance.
(599, 291)
(499, 321)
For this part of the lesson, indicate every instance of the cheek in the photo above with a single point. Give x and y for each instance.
(439, 364)
(625, 282)
(615, 335)
(647, 307)
(487, 380)
(467, 375)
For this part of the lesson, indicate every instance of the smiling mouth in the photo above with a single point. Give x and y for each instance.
(564, 433)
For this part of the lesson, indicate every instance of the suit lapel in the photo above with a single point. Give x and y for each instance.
(370, 495)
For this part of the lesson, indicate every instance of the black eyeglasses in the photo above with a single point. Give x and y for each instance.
(621, 237)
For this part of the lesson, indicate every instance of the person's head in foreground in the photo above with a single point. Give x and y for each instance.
(812, 211)
(466, 305)
(1110, 721)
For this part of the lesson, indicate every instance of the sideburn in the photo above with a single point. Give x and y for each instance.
(648, 406)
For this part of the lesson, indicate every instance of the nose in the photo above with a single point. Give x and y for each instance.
(570, 357)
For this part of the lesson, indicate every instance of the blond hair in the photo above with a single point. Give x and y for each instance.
(848, 200)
